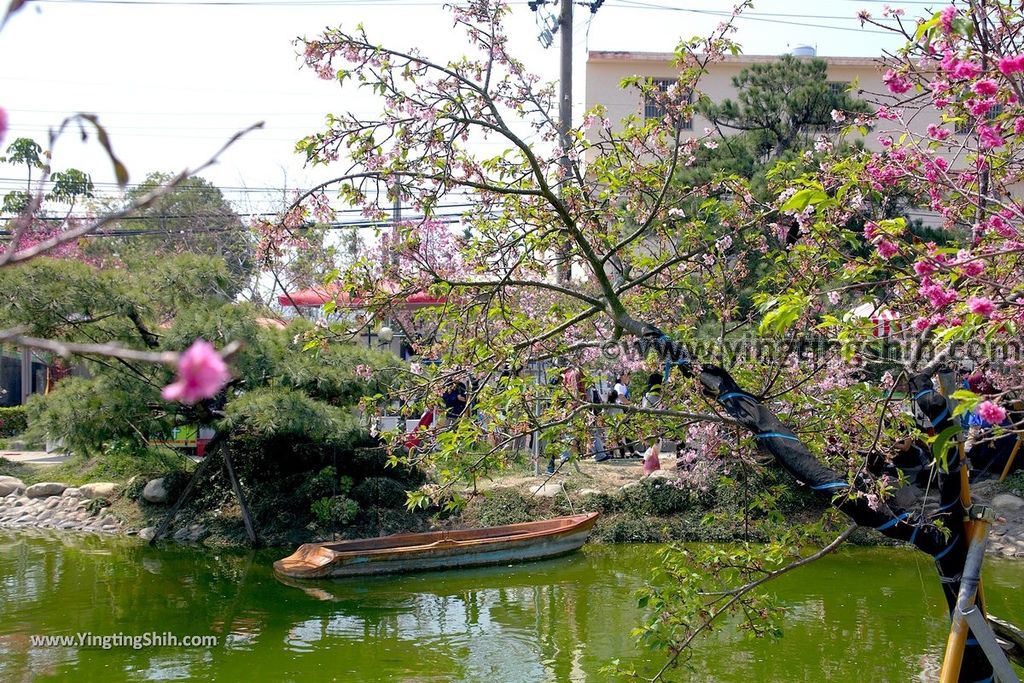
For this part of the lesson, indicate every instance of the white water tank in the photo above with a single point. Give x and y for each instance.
(805, 51)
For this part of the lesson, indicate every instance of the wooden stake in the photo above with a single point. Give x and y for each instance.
(199, 471)
(249, 529)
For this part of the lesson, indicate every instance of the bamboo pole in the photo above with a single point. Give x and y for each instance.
(969, 585)
(1009, 462)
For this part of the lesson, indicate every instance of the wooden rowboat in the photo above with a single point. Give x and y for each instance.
(439, 549)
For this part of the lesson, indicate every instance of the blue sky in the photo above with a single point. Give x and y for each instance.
(172, 80)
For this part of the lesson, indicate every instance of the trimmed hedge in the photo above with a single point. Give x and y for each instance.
(13, 421)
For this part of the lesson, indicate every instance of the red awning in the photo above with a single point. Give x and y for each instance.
(318, 296)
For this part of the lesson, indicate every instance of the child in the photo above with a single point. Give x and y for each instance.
(651, 461)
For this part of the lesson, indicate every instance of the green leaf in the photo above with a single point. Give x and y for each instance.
(942, 443)
(927, 26)
(803, 198)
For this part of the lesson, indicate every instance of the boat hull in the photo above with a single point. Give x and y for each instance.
(439, 550)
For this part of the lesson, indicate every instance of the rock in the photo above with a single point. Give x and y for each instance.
(630, 485)
(590, 492)
(100, 489)
(107, 520)
(548, 490)
(148, 533)
(72, 492)
(181, 535)
(1006, 502)
(662, 474)
(155, 491)
(45, 489)
(10, 485)
(907, 496)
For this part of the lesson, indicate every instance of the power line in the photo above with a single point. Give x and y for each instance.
(444, 219)
(747, 16)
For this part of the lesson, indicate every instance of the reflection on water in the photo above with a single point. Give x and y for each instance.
(871, 613)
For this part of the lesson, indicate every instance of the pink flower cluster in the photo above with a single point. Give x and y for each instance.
(1011, 65)
(202, 373)
(981, 306)
(937, 295)
(991, 412)
(896, 82)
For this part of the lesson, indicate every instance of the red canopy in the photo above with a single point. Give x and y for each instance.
(318, 296)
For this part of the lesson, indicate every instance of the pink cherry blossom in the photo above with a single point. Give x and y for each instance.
(887, 249)
(946, 17)
(980, 108)
(973, 268)
(981, 305)
(3, 123)
(364, 371)
(201, 374)
(990, 137)
(1011, 65)
(896, 82)
(986, 87)
(924, 268)
(990, 412)
(937, 132)
(938, 296)
(921, 324)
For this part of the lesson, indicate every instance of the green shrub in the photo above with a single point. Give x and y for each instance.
(324, 484)
(175, 483)
(13, 421)
(505, 506)
(654, 496)
(381, 492)
(665, 497)
(1014, 483)
(602, 502)
(334, 511)
(629, 529)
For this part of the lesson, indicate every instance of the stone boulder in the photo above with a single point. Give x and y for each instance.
(548, 490)
(9, 485)
(147, 533)
(44, 489)
(155, 491)
(72, 492)
(100, 489)
(1006, 502)
(590, 492)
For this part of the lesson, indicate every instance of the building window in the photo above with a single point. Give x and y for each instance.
(653, 109)
(838, 88)
(966, 125)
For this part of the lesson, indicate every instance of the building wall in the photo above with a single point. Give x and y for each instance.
(605, 71)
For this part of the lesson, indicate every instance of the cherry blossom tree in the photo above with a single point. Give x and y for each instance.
(654, 264)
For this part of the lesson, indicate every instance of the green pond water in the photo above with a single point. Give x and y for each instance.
(858, 615)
